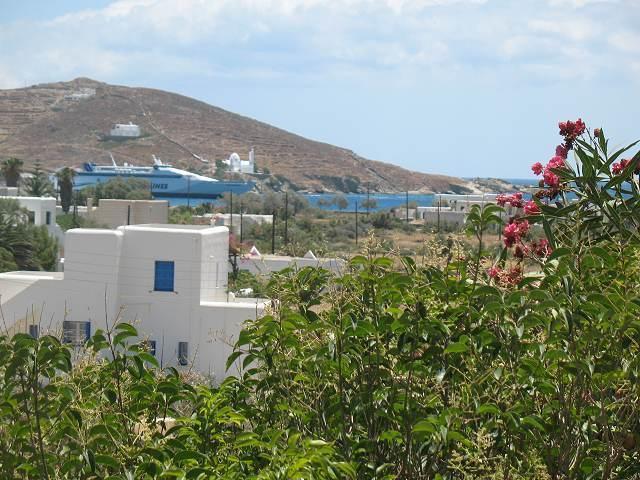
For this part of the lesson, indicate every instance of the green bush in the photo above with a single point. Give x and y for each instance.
(528, 370)
(122, 417)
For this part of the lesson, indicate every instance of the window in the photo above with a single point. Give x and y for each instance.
(76, 333)
(48, 218)
(183, 353)
(152, 347)
(164, 276)
(34, 331)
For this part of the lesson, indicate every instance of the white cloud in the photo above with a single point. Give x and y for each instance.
(291, 39)
(626, 41)
(578, 3)
(575, 29)
(7, 80)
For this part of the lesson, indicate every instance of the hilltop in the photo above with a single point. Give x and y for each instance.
(64, 123)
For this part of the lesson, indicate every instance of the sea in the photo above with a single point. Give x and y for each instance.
(377, 201)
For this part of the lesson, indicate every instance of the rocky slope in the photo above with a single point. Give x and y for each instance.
(64, 124)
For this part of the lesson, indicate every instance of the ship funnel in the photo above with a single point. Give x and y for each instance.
(156, 160)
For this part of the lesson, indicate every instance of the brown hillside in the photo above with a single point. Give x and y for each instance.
(39, 124)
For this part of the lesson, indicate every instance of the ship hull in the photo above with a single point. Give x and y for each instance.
(168, 185)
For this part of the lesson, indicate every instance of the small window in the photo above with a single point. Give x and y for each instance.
(34, 331)
(183, 353)
(163, 276)
(76, 333)
(48, 218)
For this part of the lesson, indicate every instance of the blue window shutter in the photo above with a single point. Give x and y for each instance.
(183, 353)
(164, 276)
(34, 331)
(87, 331)
(67, 333)
(152, 347)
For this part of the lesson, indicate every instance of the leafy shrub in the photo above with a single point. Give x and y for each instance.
(109, 418)
(527, 369)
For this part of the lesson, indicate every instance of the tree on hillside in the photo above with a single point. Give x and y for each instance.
(369, 204)
(39, 185)
(24, 246)
(11, 170)
(119, 188)
(65, 185)
(342, 202)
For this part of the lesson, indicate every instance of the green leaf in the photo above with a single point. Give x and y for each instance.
(232, 358)
(457, 347)
(533, 422)
(488, 408)
(107, 460)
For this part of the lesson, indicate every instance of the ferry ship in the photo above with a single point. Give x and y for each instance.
(165, 180)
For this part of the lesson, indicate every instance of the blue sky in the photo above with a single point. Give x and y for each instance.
(463, 87)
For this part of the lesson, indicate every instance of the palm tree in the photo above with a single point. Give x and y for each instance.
(39, 185)
(65, 185)
(11, 170)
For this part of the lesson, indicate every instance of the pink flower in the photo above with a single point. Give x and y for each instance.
(514, 232)
(556, 162)
(571, 130)
(551, 179)
(506, 278)
(531, 208)
(513, 277)
(618, 167)
(514, 199)
(537, 168)
(542, 248)
(523, 228)
(521, 251)
(562, 151)
(510, 233)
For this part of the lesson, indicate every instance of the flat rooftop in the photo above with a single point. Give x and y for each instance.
(170, 226)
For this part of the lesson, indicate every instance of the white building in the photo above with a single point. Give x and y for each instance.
(42, 211)
(170, 281)
(115, 212)
(259, 264)
(124, 130)
(237, 165)
(451, 209)
(82, 94)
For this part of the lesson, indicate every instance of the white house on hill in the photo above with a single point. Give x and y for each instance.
(170, 281)
(124, 130)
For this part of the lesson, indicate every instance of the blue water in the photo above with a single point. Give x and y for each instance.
(384, 201)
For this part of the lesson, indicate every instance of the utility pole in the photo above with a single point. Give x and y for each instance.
(356, 222)
(231, 211)
(286, 217)
(75, 209)
(240, 227)
(273, 232)
(407, 203)
(368, 192)
(129, 214)
(188, 192)
(439, 202)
